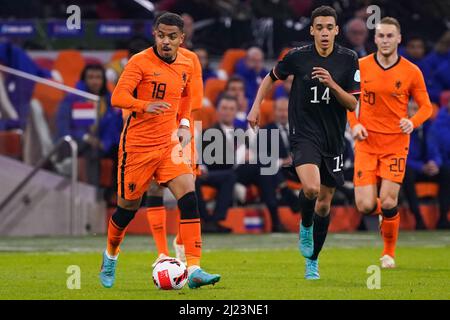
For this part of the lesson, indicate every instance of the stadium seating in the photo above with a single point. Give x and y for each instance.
(266, 115)
(11, 144)
(69, 63)
(213, 88)
(207, 115)
(229, 60)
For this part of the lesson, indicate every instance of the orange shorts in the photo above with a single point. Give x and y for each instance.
(370, 167)
(136, 169)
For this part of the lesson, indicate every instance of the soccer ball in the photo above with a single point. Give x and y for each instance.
(170, 274)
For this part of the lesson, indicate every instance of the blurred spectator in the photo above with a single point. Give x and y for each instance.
(188, 31)
(97, 134)
(437, 63)
(219, 175)
(280, 112)
(235, 87)
(207, 71)
(440, 135)
(415, 50)
(251, 69)
(356, 35)
(283, 90)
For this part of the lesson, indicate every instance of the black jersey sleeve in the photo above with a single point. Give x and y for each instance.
(354, 78)
(285, 67)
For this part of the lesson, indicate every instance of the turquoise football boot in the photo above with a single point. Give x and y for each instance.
(306, 241)
(200, 278)
(108, 271)
(312, 269)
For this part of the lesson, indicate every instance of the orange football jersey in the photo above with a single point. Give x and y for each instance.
(385, 93)
(147, 78)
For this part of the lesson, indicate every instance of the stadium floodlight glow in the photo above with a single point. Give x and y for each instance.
(146, 4)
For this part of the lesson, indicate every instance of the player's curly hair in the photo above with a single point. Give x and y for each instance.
(170, 19)
(323, 11)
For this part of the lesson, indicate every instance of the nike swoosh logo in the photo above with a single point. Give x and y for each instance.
(155, 74)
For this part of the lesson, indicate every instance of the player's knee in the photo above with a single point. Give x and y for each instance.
(323, 208)
(122, 217)
(366, 206)
(312, 191)
(188, 206)
(154, 201)
(388, 202)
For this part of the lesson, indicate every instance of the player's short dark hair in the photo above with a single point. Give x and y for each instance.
(323, 11)
(391, 21)
(170, 19)
(228, 97)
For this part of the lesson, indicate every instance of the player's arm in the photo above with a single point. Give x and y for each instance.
(345, 99)
(359, 132)
(184, 114)
(281, 71)
(123, 94)
(420, 95)
(264, 89)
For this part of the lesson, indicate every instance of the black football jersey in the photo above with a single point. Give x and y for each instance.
(315, 114)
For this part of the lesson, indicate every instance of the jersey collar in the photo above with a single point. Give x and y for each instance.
(385, 69)
(332, 52)
(155, 51)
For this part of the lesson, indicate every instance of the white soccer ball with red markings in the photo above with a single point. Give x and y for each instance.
(170, 274)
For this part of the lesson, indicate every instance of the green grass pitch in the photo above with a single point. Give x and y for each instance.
(252, 267)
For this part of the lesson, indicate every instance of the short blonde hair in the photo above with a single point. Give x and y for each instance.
(391, 21)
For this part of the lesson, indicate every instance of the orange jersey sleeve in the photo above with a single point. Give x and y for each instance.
(420, 96)
(148, 78)
(123, 94)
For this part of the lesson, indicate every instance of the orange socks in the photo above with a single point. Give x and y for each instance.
(156, 217)
(115, 237)
(389, 230)
(190, 234)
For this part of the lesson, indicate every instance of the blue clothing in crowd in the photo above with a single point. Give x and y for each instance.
(252, 79)
(440, 135)
(422, 148)
(20, 90)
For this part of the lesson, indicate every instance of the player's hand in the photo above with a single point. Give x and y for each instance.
(359, 132)
(253, 117)
(324, 77)
(406, 125)
(157, 107)
(184, 135)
